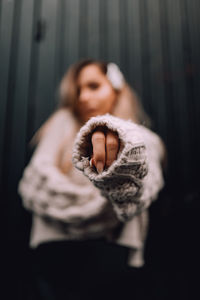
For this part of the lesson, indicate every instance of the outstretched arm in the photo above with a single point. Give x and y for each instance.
(129, 174)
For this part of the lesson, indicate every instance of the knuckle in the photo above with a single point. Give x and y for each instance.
(112, 142)
(98, 137)
(99, 157)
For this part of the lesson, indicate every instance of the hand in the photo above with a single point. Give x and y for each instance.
(105, 145)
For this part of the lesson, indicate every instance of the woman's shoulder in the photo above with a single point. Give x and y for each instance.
(61, 118)
(153, 141)
(150, 134)
(62, 114)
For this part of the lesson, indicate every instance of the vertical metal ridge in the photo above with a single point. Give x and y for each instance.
(64, 40)
(166, 61)
(103, 32)
(93, 30)
(123, 37)
(113, 31)
(6, 37)
(145, 59)
(134, 45)
(191, 134)
(83, 29)
(170, 137)
(32, 79)
(0, 10)
(179, 89)
(59, 45)
(61, 51)
(72, 31)
(11, 91)
(155, 64)
(20, 104)
(44, 97)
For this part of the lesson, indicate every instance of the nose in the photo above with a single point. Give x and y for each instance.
(84, 96)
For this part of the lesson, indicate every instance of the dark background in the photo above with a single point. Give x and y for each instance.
(156, 43)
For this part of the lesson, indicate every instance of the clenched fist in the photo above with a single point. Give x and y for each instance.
(105, 144)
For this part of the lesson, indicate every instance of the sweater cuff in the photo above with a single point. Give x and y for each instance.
(122, 180)
(131, 144)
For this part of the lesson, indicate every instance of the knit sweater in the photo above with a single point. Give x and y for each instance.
(83, 204)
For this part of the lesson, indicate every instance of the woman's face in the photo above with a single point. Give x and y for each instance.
(96, 95)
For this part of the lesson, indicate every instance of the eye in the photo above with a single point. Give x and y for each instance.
(93, 85)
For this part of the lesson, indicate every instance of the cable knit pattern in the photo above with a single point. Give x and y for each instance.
(54, 195)
(134, 179)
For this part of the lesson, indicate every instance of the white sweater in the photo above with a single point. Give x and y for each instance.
(82, 205)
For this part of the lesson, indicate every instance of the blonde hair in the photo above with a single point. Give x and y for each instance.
(128, 106)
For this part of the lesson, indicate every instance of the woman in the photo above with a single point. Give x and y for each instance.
(91, 213)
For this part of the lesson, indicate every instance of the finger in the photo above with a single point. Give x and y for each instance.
(91, 161)
(112, 147)
(99, 153)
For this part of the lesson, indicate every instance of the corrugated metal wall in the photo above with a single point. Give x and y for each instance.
(156, 43)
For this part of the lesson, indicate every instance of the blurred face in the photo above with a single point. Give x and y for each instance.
(96, 95)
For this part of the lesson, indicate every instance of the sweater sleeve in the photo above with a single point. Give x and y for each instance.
(135, 178)
(46, 191)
